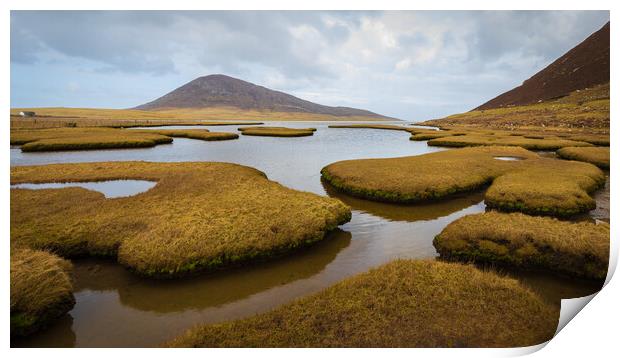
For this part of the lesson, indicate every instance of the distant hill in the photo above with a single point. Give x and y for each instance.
(586, 65)
(215, 91)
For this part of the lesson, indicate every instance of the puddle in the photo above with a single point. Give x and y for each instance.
(508, 158)
(109, 188)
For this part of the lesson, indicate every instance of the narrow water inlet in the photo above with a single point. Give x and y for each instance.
(109, 188)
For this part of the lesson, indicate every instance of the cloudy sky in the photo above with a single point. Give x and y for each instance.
(409, 64)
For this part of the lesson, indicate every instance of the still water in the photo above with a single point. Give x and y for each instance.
(115, 308)
(109, 188)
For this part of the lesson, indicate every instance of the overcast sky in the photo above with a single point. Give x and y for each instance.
(412, 65)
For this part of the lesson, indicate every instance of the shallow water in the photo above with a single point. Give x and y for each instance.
(116, 308)
(109, 188)
(508, 158)
(602, 202)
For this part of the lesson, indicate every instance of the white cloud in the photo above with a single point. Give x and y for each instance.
(400, 63)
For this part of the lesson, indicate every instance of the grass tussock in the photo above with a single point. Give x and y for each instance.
(83, 139)
(405, 303)
(277, 131)
(534, 185)
(41, 290)
(200, 216)
(546, 187)
(200, 134)
(598, 156)
(583, 110)
(578, 249)
(532, 142)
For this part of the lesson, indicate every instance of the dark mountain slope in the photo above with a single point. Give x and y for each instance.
(586, 65)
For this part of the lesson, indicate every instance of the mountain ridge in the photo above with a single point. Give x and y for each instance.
(585, 65)
(218, 90)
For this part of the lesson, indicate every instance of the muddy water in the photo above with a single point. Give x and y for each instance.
(115, 308)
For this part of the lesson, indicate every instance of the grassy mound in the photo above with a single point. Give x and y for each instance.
(501, 139)
(598, 156)
(53, 139)
(534, 184)
(41, 290)
(201, 134)
(83, 139)
(277, 131)
(401, 304)
(547, 187)
(578, 249)
(199, 216)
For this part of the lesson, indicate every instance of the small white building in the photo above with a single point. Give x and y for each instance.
(27, 114)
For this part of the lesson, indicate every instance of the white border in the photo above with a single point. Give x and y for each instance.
(592, 332)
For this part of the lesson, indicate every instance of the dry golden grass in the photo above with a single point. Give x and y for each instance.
(528, 242)
(41, 290)
(546, 187)
(57, 122)
(598, 156)
(277, 131)
(596, 139)
(199, 216)
(33, 140)
(201, 134)
(534, 185)
(164, 123)
(91, 138)
(217, 114)
(531, 142)
(427, 135)
(405, 303)
(585, 110)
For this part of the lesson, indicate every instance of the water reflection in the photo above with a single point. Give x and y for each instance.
(553, 288)
(207, 290)
(508, 158)
(109, 188)
(59, 334)
(602, 201)
(411, 213)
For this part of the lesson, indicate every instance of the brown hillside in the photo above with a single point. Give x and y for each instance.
(216, 91)
(586, 65)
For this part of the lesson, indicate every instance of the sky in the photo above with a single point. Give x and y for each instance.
(412, 65)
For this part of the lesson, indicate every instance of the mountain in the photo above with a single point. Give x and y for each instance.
(224, 91)
(586, 65)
